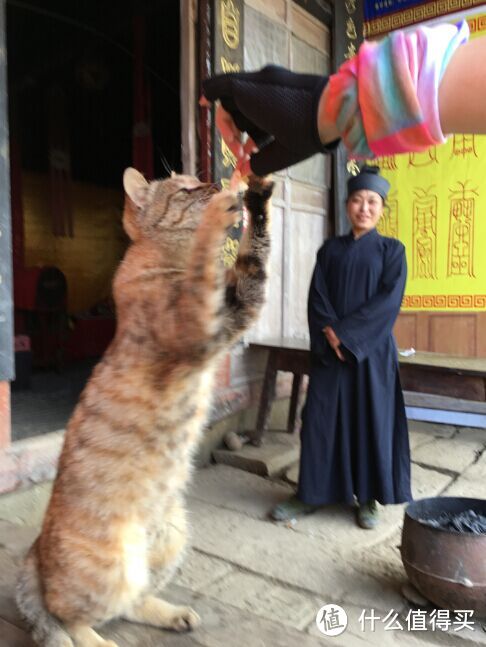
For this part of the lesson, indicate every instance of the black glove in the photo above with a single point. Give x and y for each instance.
(278, 109)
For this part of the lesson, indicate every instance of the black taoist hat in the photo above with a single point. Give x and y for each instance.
(369, 179)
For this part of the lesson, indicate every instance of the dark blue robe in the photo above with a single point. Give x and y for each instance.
(354, 435)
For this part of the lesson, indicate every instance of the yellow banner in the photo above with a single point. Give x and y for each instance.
(437, 208)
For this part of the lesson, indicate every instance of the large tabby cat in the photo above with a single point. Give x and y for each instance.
(115, 526)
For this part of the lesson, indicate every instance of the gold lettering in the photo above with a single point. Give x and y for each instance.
(228, 158)
(351, 29)
(463, 145)
(228, 66)
(352, 167)
(230, 24)
(351, 51)
(350, 6)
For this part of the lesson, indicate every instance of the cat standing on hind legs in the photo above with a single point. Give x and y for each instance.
(115, 527)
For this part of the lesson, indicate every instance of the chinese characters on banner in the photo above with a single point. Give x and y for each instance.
(227, 57)
(436, 208)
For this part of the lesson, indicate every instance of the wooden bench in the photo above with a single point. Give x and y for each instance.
(458, 377)
(447, 375)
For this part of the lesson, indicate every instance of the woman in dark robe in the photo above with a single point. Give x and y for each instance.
(354, 439)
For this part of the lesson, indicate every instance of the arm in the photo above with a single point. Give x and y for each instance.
(320, 312)
(462, 107)
(385, 99)
(351, 105)
(368, 326)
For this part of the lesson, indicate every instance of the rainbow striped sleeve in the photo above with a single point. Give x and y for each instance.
(385, 99)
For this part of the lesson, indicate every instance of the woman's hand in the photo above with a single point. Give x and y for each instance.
(334, 341)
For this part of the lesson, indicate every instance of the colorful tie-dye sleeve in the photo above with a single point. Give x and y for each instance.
(385, 99)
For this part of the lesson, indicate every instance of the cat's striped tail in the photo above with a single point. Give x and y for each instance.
(47, 631)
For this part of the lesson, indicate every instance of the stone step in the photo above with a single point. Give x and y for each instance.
(226, 487)
(278, 450)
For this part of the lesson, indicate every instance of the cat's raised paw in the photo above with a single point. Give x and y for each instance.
(225, 208)
(186, 619)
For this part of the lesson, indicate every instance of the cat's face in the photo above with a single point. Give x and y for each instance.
(164, 209)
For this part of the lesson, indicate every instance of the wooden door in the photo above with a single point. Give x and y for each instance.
(282, 33)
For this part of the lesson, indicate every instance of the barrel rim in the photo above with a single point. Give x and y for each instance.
(469, 503)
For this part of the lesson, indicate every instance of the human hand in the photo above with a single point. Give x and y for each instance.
(277, 108)
(334, 341)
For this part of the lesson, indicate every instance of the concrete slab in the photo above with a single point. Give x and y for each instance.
(336, 526)
(428, 482)
(452, 454)
(238, 490)
(379, 592)
(278, 451)
(477, 470)
(9, 565)
(274, 551)
(17, 539)
(383, 562)
(8, 571)
(468, 487)
(292, 474)
(126, 634)
(467, 433)
(265, 599)
(260, 583)
(198, 571)
(431, 429)
(417, 438)
(26, 506)
(222, 625)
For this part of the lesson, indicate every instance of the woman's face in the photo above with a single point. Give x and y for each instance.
(364, 209)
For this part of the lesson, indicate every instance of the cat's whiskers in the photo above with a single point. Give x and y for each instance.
(167, 167)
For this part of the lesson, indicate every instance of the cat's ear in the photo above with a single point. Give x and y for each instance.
(136, 187)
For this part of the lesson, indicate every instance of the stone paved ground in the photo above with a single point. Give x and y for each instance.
(260, 583)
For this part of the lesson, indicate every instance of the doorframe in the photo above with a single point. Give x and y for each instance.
(7, 371)
(188, 84)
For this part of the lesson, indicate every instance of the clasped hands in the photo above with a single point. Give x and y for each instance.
(333, 341)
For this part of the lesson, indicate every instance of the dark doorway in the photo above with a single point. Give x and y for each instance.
(93, 87)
